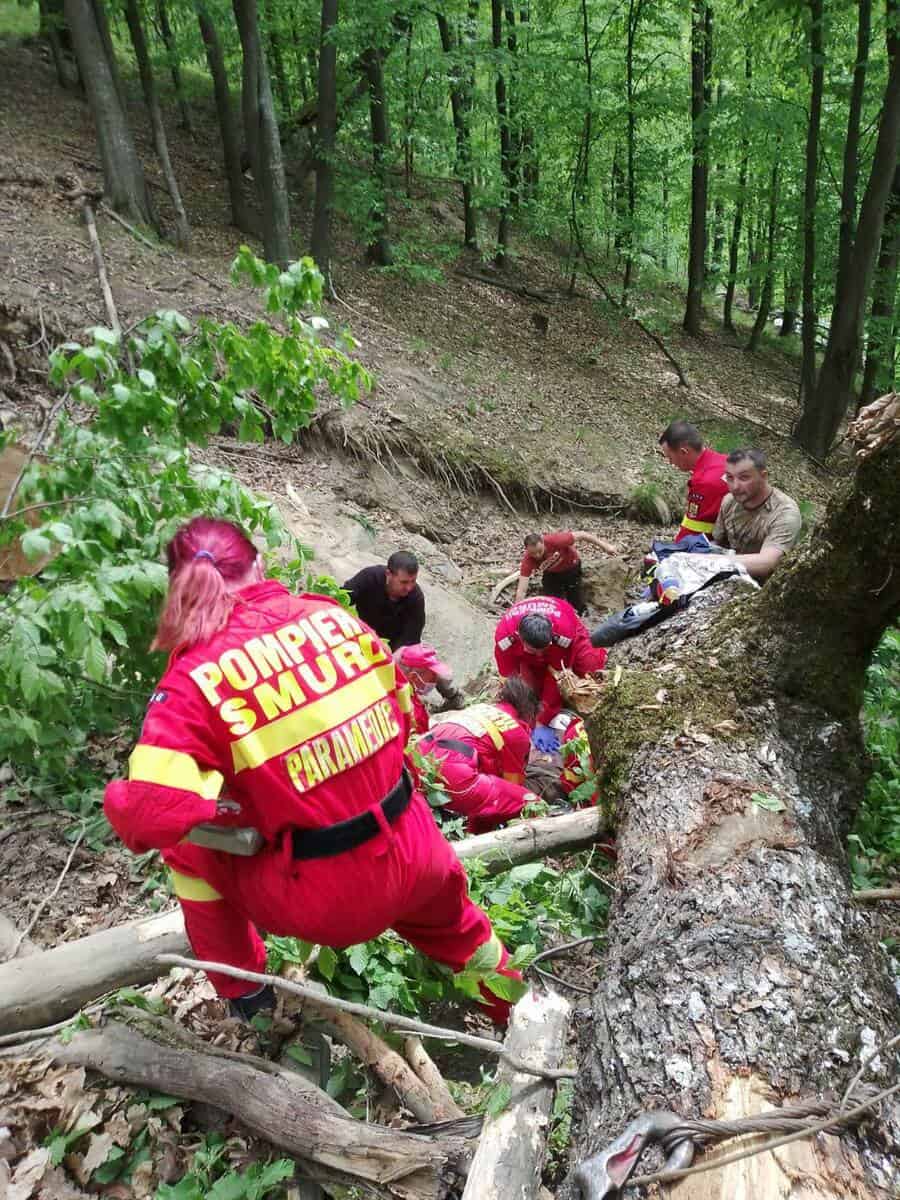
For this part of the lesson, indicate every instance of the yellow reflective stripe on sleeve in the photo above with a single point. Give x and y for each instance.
(288, 732)
(173, 768)
(494, 734)
(404, 698)
(696, 526)
(189, 887)
(510, 777)
(571, 775)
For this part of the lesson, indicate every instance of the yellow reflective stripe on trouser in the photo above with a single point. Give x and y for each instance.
(697, 526)
(172, 768)
(189, 887)
(314, 719)
(485, 959)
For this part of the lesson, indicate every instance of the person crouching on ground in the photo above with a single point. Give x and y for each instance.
(483, 751)
(286, 713)
(535, 638)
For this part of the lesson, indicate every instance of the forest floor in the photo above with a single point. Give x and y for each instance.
(477, 416)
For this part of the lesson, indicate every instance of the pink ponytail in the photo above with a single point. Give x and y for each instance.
(207, 558)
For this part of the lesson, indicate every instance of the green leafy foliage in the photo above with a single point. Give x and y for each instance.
(875, 842)
(210, 1178)
(529, 906)
(74, 658)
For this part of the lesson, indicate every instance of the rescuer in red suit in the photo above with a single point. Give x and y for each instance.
(424, 670)
(682, 446)
(536, 635)
(285, 713)
(483, 751)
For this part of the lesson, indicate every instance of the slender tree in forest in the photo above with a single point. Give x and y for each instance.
(881, 346)
(851, 146)
(810, 194)
(160, 142)
(631, 27)
(505, 139)
(452, 47)
(700, 20)
(824, 409)
(228, 126)
(165, 29)
(379, 248)
(326, 126)
(124, 185)
(52, 27)
(513, 106)
(739, 204)
(262, 137)
(768, 287)
(101, 17)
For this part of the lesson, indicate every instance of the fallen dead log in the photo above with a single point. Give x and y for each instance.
(530, 840)
(274, 1104)
(423, 1065)
(48, 987)
(510, 1152)
(868, 895)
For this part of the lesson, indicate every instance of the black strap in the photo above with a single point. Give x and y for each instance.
(453, 744)
(347, 835)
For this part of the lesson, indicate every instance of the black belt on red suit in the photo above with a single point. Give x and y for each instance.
(450, 744)
(347, 835)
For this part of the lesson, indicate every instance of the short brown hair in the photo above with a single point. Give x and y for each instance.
(681, 433)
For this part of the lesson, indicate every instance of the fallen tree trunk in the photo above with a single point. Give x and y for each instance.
(738, 973)
(276, 1105)
(48, 987)
(510, 1154)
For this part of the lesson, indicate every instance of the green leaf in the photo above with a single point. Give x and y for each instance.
(269, 1176)
(358, 956)
(232, 1186)
(299, 1053)
(95, 660)
(326, 962)
(769, 803)
(499, 1099)
(35, 544)
(187, 1188)
(506, 987)
(484, 960)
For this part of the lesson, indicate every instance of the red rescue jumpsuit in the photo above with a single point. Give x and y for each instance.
(571, 647)
(294, 712)
(706, 489)
(485, 769)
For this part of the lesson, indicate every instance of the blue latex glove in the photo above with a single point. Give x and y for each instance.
(545, 739)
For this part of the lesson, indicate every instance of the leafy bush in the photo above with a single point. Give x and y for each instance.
(118, 480)
(875, 842)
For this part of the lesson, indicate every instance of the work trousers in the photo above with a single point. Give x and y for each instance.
(406, 878)
(485, 800)
(566, 585)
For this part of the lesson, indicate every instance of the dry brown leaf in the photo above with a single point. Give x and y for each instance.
(83, 1166)
(28, 1174)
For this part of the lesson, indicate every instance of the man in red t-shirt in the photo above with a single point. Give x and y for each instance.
(557, 557)
(683, 447)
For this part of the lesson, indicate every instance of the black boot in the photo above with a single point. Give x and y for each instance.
(246, 1007)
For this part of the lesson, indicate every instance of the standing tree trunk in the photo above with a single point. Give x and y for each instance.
(458, 107)
(734, 244)
(737, 973)
(505, 140)
(102, 20)
(824, 409)
(768, 288)
(52, 27)
(529, 168)
(326, 128)
(755, 255)
(379, 249)
(231, 142)
(664, 253)
(851, 147)
(262, 137)
(881, 349)
(810, 192)
(165, 29)
(139, 42)
(514, 108)
(699, 168)
(124, 185)
(633, 20)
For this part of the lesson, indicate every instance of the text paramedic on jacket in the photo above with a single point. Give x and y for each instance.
(285, 713)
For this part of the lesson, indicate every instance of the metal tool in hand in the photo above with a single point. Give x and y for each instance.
(606, 1174)
(227, 838)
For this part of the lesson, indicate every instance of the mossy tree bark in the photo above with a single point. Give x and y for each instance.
(738, 972)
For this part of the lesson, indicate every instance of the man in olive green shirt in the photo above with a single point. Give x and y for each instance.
(756, 522)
